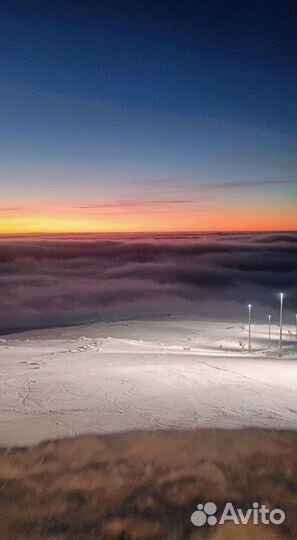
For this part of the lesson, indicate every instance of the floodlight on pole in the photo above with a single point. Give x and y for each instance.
(250, 309)
(281, 320)
(269, 331)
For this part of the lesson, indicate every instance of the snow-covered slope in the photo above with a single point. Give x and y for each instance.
(144, 375)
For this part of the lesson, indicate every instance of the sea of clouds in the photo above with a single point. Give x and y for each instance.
(59, 280)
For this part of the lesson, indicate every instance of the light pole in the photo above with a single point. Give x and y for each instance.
(296, 325)
(269, 331)
(250, 309)
(281, 320)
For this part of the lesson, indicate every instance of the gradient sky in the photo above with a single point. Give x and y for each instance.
(147, 116)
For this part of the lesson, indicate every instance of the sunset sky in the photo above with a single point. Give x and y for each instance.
(126, 116)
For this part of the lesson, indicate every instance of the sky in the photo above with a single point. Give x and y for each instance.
(143, 116)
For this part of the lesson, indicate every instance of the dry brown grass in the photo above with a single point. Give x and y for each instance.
(146, 485)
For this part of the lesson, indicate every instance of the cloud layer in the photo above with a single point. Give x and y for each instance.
(48, 281)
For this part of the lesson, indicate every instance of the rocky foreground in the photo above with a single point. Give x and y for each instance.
(146, 485)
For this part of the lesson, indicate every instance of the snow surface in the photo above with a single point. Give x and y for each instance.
(130, 375)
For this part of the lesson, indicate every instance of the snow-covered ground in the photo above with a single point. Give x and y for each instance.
(144, 375)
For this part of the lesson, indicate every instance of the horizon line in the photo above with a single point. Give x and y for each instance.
(104, 233)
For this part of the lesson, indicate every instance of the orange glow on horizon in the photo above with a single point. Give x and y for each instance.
(64, 226)
(117, 219)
